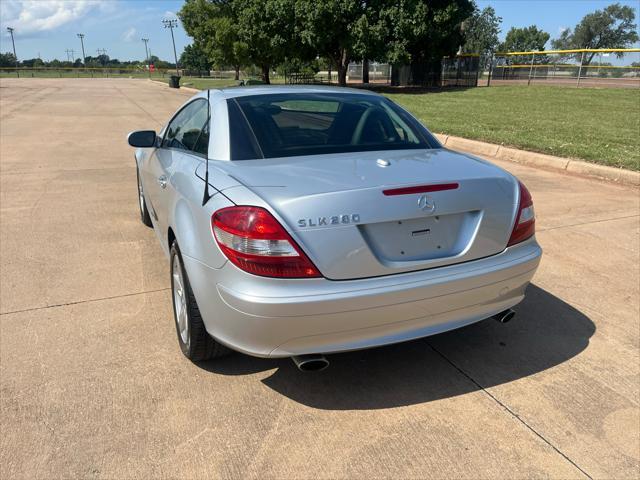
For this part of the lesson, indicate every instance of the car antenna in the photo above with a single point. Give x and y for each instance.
(207, 195)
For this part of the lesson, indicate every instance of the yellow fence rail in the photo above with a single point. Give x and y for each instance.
(555, 67)
(566, 52)
(541, 65)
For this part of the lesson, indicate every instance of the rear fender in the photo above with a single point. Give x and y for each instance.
(191, 224)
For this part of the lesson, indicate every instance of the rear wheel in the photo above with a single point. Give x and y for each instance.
(196, 344)
(144, 212)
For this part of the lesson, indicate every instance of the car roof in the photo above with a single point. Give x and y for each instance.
(234, 92)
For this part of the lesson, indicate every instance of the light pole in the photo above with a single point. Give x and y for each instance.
(84, 57)
(171, 24)
(10, 30)
(146, 49)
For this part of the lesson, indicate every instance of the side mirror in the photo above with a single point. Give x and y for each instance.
(142, 138)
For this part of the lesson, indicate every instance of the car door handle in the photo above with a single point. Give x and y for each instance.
(162, 181)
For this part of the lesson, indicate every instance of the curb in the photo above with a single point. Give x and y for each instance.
(533, 159)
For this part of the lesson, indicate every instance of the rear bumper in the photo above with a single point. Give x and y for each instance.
(279, 318)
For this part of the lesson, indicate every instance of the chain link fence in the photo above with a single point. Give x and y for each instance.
(81, 72)
(582, 67)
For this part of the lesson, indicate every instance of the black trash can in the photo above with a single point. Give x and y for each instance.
(174, 81)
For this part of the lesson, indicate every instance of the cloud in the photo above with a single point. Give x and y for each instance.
(31, 16)
(170, 15)
(129, 35)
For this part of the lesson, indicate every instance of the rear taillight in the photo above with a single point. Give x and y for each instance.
(253, 240)
(525, 225)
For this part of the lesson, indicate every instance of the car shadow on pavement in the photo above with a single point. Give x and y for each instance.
(545, 332)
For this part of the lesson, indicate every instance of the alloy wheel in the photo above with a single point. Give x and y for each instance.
(180, 300)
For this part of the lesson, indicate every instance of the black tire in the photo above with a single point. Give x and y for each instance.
(142, 204)
(199, 345)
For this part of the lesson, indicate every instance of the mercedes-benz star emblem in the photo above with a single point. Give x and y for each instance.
(426, 204)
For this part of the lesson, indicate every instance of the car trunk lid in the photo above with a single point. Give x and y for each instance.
(359, 214)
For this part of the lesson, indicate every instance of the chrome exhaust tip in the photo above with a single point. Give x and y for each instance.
(504, 316)
(310, 363)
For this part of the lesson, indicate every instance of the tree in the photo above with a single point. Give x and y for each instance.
(268, 28)
(612, 27)
(236, 32)
(226, 47)
(268, 33)
(343, 30)
(481, 31)
(91, 62)
(525, 39)
(7, 60)
(214, 27)
(421, 32)
(103, 59)
(31, 63)
(194, 58)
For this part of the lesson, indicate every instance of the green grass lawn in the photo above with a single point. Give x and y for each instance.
(597, 125)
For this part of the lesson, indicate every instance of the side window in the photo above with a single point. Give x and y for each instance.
(189, 130)
(202, 144)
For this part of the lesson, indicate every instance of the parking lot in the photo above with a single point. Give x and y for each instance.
(93, 384)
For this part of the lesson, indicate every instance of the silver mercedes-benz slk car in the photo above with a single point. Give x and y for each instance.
(301, 221)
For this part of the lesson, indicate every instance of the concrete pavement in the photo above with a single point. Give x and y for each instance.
(93, 384)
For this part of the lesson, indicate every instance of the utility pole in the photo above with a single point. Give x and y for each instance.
(84, 57)
(10, 30)
(171, 24)
(146, 49)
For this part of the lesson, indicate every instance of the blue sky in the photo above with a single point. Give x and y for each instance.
(49, 27)
(552, 16)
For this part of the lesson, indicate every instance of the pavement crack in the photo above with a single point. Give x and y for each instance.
(91, 300)
(137, 105)
(509, 410)
(586, 223)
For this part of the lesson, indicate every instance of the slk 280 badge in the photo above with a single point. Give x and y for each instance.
(333, 220)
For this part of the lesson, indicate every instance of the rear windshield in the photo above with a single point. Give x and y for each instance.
(285, 125)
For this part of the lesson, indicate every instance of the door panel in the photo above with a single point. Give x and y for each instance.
(158, 174)
(186, 139)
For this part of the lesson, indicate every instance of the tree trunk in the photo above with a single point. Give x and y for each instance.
(341, 60)
(365, 70)
(265, 74)
(237, 69)
(342, 75)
